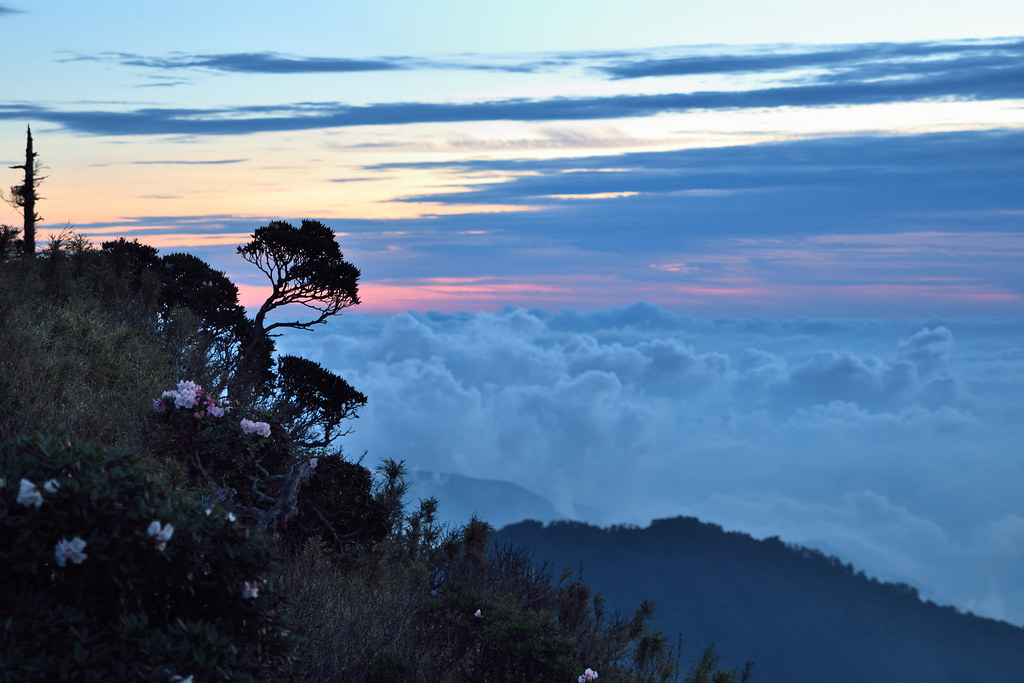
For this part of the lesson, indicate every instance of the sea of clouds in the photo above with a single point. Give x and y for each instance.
(895, 444)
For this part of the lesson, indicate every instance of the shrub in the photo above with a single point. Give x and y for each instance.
(247, 461)
(256, 471)
(108, 575)
(71, 368)
(338, 506)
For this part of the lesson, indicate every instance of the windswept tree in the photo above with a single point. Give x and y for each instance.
(306, 269)
(24, 196)
(305, 266)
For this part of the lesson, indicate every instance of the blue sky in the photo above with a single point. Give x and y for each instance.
(757, 262)
(798, 161)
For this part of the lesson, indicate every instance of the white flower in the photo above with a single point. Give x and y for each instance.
(209, 511)
(588, 675)
(251, 589)
(28, 494)
(51, 486)
(161, 534)
(231, 517)
(478, 613)
(70, 550)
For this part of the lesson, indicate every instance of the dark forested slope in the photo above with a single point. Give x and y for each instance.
(798, 614)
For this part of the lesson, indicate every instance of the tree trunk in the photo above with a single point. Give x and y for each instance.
(29, 195)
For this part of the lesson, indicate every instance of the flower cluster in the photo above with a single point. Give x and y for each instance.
(161, 534)
(70, 550)
(251, 589)
(29, 494)
(187, 396)
(250, 427)
(587, 675)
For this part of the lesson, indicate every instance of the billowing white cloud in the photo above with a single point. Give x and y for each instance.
(893, 443)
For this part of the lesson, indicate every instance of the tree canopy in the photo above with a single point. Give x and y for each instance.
(305, 266)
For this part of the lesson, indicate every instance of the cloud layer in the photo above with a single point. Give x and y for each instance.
(895, 444)
(810, 77)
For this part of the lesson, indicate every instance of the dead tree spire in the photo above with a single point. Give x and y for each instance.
(24, 196)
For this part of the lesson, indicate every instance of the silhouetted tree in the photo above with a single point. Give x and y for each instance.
(313, 402)
(305, 266)
(24, 196)
(222, 328)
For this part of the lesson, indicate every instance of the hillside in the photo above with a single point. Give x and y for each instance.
(798, 614)
(459, 498)
(144, 415)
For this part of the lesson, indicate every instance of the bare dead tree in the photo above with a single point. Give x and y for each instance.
(24, 196)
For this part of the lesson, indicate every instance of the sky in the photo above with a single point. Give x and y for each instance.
(755, 262)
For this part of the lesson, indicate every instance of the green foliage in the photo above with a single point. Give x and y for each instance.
(410, 606)
(256, 471)
(134, 605)
(73, 365)
(209, 440)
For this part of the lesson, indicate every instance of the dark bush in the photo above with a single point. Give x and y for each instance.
(338, 506)
(107, 575)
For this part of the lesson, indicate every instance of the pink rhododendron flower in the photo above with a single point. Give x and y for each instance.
(190, 395)
(588, 675)
(162, 534)
(29, 495)
(251, 589)
(70, 550)
(250, 427)
(187, 395)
